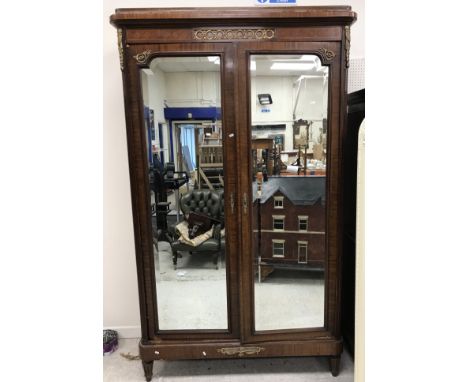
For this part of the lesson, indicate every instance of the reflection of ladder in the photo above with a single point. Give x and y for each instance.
(211, 177)
(210, 166)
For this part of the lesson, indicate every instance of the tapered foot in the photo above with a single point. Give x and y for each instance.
(335, 365)
(148, 368)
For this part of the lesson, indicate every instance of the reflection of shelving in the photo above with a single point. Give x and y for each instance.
(211, 165)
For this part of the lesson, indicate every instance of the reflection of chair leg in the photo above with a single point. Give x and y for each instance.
(215, 259)
(174, 258)
(177, 201)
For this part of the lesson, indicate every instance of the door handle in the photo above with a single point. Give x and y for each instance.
(244, 203)
(232, 203)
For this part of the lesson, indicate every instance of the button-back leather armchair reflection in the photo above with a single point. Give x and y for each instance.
(207, 202)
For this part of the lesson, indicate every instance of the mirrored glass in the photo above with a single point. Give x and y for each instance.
(184, 137)
(289, 103)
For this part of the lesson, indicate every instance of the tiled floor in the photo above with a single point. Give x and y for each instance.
(292, 369)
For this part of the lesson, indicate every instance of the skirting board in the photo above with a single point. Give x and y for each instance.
(127, 331)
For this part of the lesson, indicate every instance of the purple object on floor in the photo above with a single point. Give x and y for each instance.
(110, 341)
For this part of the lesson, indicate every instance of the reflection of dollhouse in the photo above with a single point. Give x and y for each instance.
(289, 222)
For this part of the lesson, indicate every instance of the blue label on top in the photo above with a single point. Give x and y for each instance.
(265, 2)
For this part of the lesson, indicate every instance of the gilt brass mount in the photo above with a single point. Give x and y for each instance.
(241, 350)
(220, 34)
(121, 51)
(347, 43)
(142, 57)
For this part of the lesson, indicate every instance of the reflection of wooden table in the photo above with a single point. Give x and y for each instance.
(299, 154)
(310, 172)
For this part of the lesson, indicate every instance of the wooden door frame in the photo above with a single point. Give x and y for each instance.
(330, 55)
(141, 55)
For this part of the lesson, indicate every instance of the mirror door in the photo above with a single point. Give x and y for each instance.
(188, 120)
(288, 253)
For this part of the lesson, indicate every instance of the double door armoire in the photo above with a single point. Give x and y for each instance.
(236, 119)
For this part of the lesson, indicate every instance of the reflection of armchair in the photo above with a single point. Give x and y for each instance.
(206, 202)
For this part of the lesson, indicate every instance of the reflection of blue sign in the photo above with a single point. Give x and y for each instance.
(277, 1)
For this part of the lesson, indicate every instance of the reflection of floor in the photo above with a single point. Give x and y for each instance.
(289, 299)
(194, 295)
(290, 369)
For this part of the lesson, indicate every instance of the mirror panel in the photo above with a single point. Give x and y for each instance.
(289, 103)
(184, 137)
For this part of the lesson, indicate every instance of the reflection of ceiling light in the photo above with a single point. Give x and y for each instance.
(291, 66)
(253, 65)
(214, 59)
(308, 57)
(304, 77)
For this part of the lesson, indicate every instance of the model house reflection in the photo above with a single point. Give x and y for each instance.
(289, 223)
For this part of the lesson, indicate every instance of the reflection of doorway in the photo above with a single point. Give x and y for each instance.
(186, 144)
(188, 147)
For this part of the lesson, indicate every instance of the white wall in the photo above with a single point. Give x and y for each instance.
(201, 89)
(157, 93)
(121, 309)
(311, 104)
(120, 300)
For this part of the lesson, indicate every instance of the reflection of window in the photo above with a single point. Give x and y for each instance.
(278, 223)
(278, 201)
(303, 222)
(187, 141)
(302, 252)
(278, 248)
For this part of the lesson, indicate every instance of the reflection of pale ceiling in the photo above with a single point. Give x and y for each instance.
(185, 64)
(263, 65)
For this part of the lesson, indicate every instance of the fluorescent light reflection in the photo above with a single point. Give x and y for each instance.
(292, 66)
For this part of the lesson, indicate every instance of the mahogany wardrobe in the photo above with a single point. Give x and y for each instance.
(236, 119)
